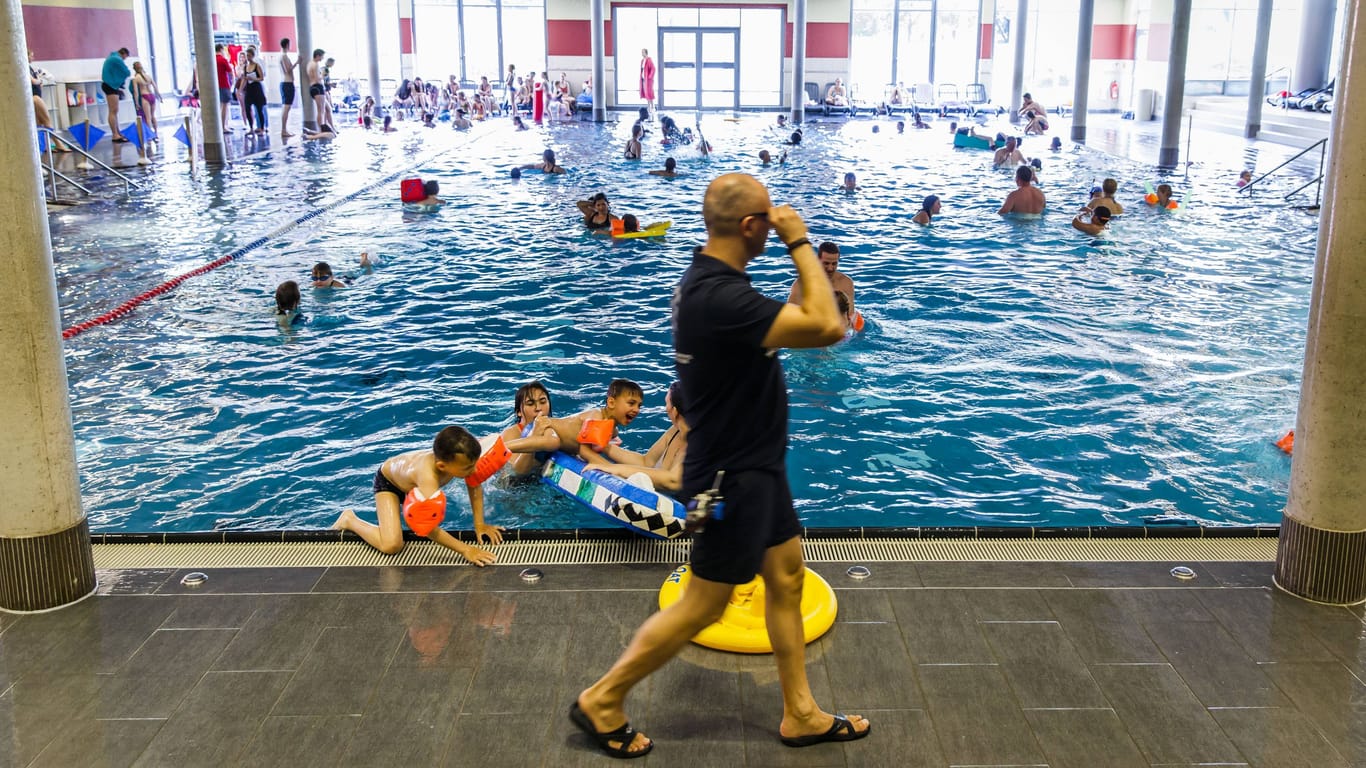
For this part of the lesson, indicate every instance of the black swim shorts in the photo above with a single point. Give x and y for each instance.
(286, 93)
(385, 485)
(316, 89)
(758, 515)
(112, 91)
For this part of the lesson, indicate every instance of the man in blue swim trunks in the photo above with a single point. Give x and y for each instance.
(726, 339)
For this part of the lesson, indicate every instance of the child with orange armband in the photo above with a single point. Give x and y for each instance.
(408, 490)
(587, 434)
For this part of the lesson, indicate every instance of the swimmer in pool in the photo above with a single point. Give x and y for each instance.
(1092, 221)
(850, 182)
(1244, 178)
(322, 277)
(633, 143)
(1008, 156)
(928, 209)
(531, 402)
(1027, 198)
(669, 165)
(287, 304)
(1107, 198)
(589, 433)
(629, 223)
(846, 310)
(324, 132)
(547, 164)
(1164, 196)
(1037, 123)
(431, 188)
(663, 463)
(767, 159)
(597, 214)
(829, 255)
(1056, 146)
(452, 456)
(460, 122)
(519, 124)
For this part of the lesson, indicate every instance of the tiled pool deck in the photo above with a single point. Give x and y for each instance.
(972, 664)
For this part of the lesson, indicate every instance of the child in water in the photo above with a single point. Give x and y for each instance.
(287, 304)
(586, 434)
(408, 489)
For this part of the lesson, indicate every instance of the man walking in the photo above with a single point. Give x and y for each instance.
(726, 337)
(286, 87)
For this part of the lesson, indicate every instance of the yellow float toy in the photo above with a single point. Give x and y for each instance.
(657, 229)
(741, 628)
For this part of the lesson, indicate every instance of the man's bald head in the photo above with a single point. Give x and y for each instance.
(729, 198)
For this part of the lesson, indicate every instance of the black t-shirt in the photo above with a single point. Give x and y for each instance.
(733, 387)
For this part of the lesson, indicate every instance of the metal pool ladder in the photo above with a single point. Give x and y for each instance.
(54, 174)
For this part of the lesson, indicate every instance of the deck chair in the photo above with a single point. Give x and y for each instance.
(813, 92)
(949, 101)
(975, 96)
(907, 100)
(922, 95)
(847, 109)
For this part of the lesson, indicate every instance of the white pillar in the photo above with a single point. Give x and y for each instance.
(303, 29)
(598, 49)
(798, 61)
(372, 47)
(45, 558)
(1316, 45)
(1256, 84)
(1170, 151)
(206, 72)
(1322, 548)
(1017, 75)
(1082, 89)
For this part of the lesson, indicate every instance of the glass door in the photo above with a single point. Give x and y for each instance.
(699, 67)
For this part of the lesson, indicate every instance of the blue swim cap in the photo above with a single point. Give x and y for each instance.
(1094, 190)
(517, 174)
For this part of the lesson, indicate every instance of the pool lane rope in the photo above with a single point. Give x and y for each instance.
(170, 285)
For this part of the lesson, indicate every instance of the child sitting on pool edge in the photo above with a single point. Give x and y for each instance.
(589, 431)
(408, 489)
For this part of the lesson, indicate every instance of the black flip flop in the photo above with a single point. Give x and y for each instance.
(840, 730)
(625, 734)
(119, 140)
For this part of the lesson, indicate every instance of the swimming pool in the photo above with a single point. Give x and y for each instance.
(1013, 373)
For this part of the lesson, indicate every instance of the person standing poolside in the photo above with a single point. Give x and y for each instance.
(286, 87)
(317, 91)
(927, 210)
(254, 91)
(1027, 198)
(112, 77)
(647, 79)
(145, 97)
(726, 335)
(224, 84)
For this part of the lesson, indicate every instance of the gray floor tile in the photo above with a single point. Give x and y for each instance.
(1164, 718)
(339, 675)
(411, 717)
(939, 627)
(216, 722)
(446, 632)
(761, 698)
(1277, 738)
(1241, 574)
(1100, 626)
(34, 711)
(863, 605)
(300, 742)
(1345, 637)
(901, 738)
(129, 696)
(762, 745)
(211, 611)
(175, 652)
(869, 668)
(600, 630)
(1269, 627)
(1009, 605)
(1084, 738)
(1002, 575)
(1134, 575)
(696, 679)
(677, 736)
(483, 741)
(130, 582)
(975, 716)
(1143, 605)
(245, 581)
(279, 635)
(1217, 671)
(381, 609)
(1043, 668)
(98, 744)
(884, 575)
(521, 671)
(1331, 698)
(105, 632)
(412, 578)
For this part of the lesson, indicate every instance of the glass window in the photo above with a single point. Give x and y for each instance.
(481, 44)
(761, 57)
(870, 59)
(636, 30)
(523, 39)
(719, 17)
(436, 47)
(913, 49)
(955, 47)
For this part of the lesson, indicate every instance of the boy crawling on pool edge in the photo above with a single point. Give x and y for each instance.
(408, 489)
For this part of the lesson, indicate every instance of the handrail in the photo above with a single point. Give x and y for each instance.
(127, 182)
(1320, 143)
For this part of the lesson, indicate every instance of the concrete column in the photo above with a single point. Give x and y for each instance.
(1017, 74)
(1256, 88)
(372, 49)
(303, 29)
(1170, 150)
(599, 54)
(206, 70)
(1081, 90)
(1322, 549)
(45, 557)
(1316, 45)
(798, 61)
(934, 34)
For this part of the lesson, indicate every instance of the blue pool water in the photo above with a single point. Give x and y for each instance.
(1013, 373)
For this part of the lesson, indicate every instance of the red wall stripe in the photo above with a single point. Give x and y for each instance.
(55, 32)
(987, 32)
(824, 40)
(1113, 41)
(570, 37)
(272, 28)
(405, 35)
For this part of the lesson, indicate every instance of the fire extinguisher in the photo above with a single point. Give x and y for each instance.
(1114, 90)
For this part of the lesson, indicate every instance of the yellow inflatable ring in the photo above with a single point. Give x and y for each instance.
(741, 628)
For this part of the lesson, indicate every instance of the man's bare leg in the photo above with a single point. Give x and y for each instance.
(658, 640)
(784, 573)
(387, 537)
